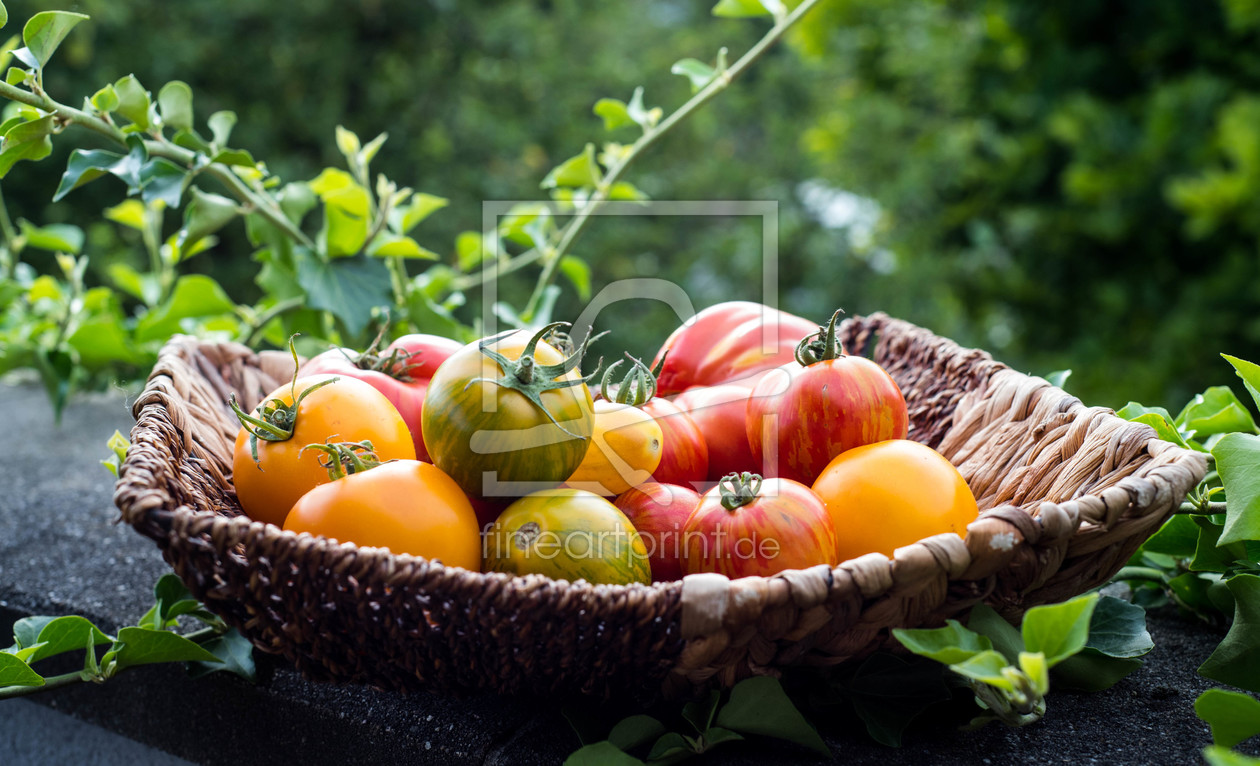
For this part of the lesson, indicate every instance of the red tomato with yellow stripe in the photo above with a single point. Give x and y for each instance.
(685, 455)
(749, 526)
(803, 414)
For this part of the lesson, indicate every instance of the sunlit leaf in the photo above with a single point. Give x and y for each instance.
(15, 672)
(133, 101)
(579, 171)
(1059, 630)
(45, 31)
(613, 112)
(1237, 456)
(950, 645)
(221, 124)
(1233, 716)
(54, 237)
(143, 646)
(1250, 374)
(175, 105)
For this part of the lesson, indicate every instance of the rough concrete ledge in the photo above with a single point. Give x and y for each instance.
(62, 551)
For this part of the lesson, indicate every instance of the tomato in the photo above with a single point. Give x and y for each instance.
(720, 412)
(659, 512)
(805, 413)
(685, 456)
(889, 494)
(345, 408)
(401, 372)
(508, 415)
(404, 505)
(567, 534)
(727, 342)
(625, 449)
(748, 526)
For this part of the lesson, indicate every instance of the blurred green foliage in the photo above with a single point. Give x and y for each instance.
(1067, 185)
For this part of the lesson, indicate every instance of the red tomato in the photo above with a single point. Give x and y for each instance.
(886, 495)
(726, 342)
(720, 413)
(803, 414)
(659, 512)
(401, 372)
(747, 526)
(685, 457)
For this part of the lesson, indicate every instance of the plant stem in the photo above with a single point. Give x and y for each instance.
(260, 322)
(52, 682)
(570, 232)
(238, 188)
(1202, 508)
(11, 251)
(1141, 573)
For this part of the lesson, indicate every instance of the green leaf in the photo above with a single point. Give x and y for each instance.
(15, 672)
(1178, 537)
(1033, 665)
(206, 213)
(1118, 629)
(133, 101)
(1155, 417)
(985, 667)
(635, 731)
(470, 250)
(578, 272)
(175, 105)
(1059, 630)
(1222, 756)
(221, 124)
(613, 112)
(1236, 660)
(161, 179)
(87, 165)
(65, 634)
(1058, 378)
(129, 213)
(194, 296)
(1233, 716)
(716, 736)
(1089, 670)
(1005, 637)
(144, 646)
(388, 245)
(26, 141)
(699, 713)
(699, 73)
(105, 99)
(349, 288)
(601, 754)
(102, 341)
(950, 645)
(581, 171)
(625, 191)
(740, 9)
(646, 118)
(1207, 556)
(1250, 374)
(45, 31)
(169, 591)
(421, 206)
(4, 15)
(26, 630)
(888, 692)
(669, 747)
(56, 237)
(117, 446)
(347, 143)
(760, 706)
(1193, 591)
(16, 76)
(235, 654)
(1215, 411)
(1237, 456)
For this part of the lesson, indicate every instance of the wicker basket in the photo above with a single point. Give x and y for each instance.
(1067, 493)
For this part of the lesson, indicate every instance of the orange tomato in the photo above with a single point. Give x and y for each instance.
(347, 408)
(404, 505)
(625, 449)
(893, 493)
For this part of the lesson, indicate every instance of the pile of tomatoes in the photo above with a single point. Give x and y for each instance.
(752, 445)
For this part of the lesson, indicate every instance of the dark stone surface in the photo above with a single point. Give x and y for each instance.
(61, 551)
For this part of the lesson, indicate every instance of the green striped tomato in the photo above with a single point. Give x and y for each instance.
(567, 534)
(748, 526)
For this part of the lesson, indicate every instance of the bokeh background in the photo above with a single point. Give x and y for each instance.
(1072, 184)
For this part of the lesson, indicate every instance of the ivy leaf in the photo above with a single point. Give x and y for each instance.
(387, 245)
(206, 213)
(699, 713)
(760, 706)
(26, 630)
(221, 124)
(45, 31)
(1058, 378)
(578, 272)
(175, 105)
(15, 672)
(985, 667)
(646, 118)
(1005, 637)
(1155, 417)
(740, 9)
(1118, 629)
(65, 634)
(1223, 756)
(635, 731)
(1178, 537)
(1215, 411)
(105, 99)
(888, 692)
(669, 747)
(421, 206)
(145, 646)
(613, 112)
(235, 654)
(1089, 670)
(580, 171)
(194, 296)
(102, 341)
(26, 141)
(56, 237)
(133, 101)
(1059, 630)
(349, 288)
(1236, 660)
(950, 645)
(699, 73)
(169, 591)
(601, 754)
(1236, 458)
(1207, 556)
(1233, 716)
(161, 179)
(1250, 374)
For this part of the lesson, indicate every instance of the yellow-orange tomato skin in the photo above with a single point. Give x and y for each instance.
(348, 409)
(405, 505)
(893, 493)
(626, 448)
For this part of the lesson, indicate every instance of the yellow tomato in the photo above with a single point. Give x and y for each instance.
(625, 449)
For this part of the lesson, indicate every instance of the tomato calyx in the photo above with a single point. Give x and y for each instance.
(345, 458)
(739, 489)
(397, 364)
(636, 389)
(277, 419)
(531, 379)
(821, 346)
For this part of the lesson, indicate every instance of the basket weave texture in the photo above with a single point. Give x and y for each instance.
(1067, 494)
